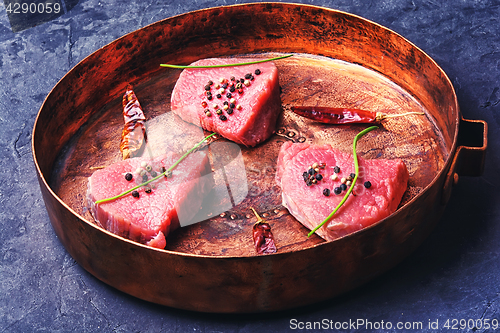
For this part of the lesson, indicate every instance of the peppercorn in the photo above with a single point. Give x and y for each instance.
(336, 169)
(209, 97)
(246, 83)
(319, 176)
(257, 71)
(210, 82)
(367, 184)
(207, 87)
(148, 168)
(218, 96)
(135, 194)
(128, 176)
(218, 111)
(311, 171)
(154, 174)
(229, 111)
(337, 190)
(352, 175)
(252, 78)
(343, 187)
(222, 117)
(305, 175)
(232, 89)
(238, 85)
(248, 75)
(168, 174)
(232, 78)
(228, 95)
(326, 192)
(147, 189)
(144, 178)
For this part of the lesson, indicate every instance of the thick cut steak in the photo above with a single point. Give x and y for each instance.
(307, 202)
(170, 203)
(241, 103)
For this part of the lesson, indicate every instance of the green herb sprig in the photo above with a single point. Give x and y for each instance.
(160, 175)
(356, 170)
(227, 65)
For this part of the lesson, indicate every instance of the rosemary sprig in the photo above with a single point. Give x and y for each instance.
(356, 171)
(160, 175)
(227, 65)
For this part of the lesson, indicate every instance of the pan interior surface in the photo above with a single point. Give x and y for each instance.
(305, 80)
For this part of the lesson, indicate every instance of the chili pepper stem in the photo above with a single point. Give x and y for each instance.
(381, 116)
(259, 219)
(356, 168)
(160, 175)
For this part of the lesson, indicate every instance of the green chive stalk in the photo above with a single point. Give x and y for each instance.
(227, 65)
(160, 175)
(349, 191)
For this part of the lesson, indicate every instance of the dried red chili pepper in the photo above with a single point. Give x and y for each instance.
(262, 236)
(330, 115)
(134, 131)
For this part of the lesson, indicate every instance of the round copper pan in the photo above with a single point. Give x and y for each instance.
(339, 60)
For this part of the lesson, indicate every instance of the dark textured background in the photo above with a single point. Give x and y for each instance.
(454, 274)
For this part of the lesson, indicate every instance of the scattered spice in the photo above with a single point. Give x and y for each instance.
(129, 176)
(367, 184)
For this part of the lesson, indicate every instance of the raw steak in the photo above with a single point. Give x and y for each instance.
(148, 219)
(307, 202)
(256, 105)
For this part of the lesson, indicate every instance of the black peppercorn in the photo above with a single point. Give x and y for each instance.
(343, 187)
(337, 190)
(319, 176)
(128, 176)
(144, 178)
(147, 189)
(336, 169)
(222, 117)
(257, 71)
(229, 111)
(247, 76)
(218, 96)
(326, 192)
(228, 95)
(135, 194)
(367, 184)
(153, 173)
(232, 89)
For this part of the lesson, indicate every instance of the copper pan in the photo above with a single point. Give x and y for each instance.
(339, 60)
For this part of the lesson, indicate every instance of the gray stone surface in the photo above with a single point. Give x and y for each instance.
(455, 274)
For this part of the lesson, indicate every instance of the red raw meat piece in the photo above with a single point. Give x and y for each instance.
(173, 201)
(259, 101)
(308, 204)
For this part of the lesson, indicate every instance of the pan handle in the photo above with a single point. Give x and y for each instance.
(469, 156)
